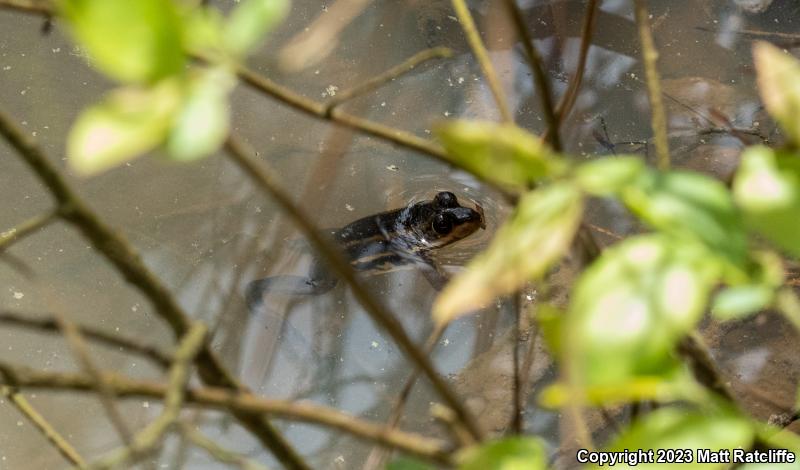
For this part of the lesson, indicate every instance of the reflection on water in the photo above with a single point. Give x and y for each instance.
(207, 232)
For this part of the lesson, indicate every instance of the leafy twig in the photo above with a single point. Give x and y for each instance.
(650, 56)
(263, 177)
(475, 42)
(59, 442)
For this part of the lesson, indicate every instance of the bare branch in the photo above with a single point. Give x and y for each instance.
(241, 403)
(542, 84)
(216, 451)
(30, 226)
(150, 437)
(475, 42)
(59, 442)
(49, 324)
(128, 262)
(650, 56)
(104, 392)
(387, 76)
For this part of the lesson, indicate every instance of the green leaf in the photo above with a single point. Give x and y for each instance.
(767, 188)
(501, 153)
(512, 453)
(739, 301)
(202, 124)
(131, 41)
(609, 176)
(645, 388)
(690, 205)
(250, 21)
(537, 235)
(778, 75)
(126, 124)
(407, 464)
(633, 304)
(674, 428)
(202, 32)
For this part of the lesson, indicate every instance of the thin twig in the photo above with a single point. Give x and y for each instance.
(387, 76)
(33, 7)
(216, 451)
(30, 226)
(128, 262)
(517, 420)
(59, 442)
(475, 42)
(568, 99)
(262, 175)
(540, 79)
(49, 324)
(148, 439)
(104, 392)
(241, 402)
(376, 458)
(650, 57)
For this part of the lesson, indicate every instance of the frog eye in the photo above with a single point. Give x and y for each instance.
(442, 224)
(446, 199)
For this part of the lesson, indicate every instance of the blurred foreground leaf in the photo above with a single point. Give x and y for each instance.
(131, 41)
(501, 153)
(202, 124)
(250, 21)
(609, 176)
(127, 123)
(633, 304)
(674, 428)
(767, 188)
(407, 464)
(690, 205)
(512, 453)
(778, 76)
(537, 235)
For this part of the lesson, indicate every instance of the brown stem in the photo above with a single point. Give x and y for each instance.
(650, 56)
(242, 403)
(542, 84)
(479, 50)
(387, 76)
(49, 324)
(59, 442)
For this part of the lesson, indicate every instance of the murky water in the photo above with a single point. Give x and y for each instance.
(206, 231)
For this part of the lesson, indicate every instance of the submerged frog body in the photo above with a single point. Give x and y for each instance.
(384, 242)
